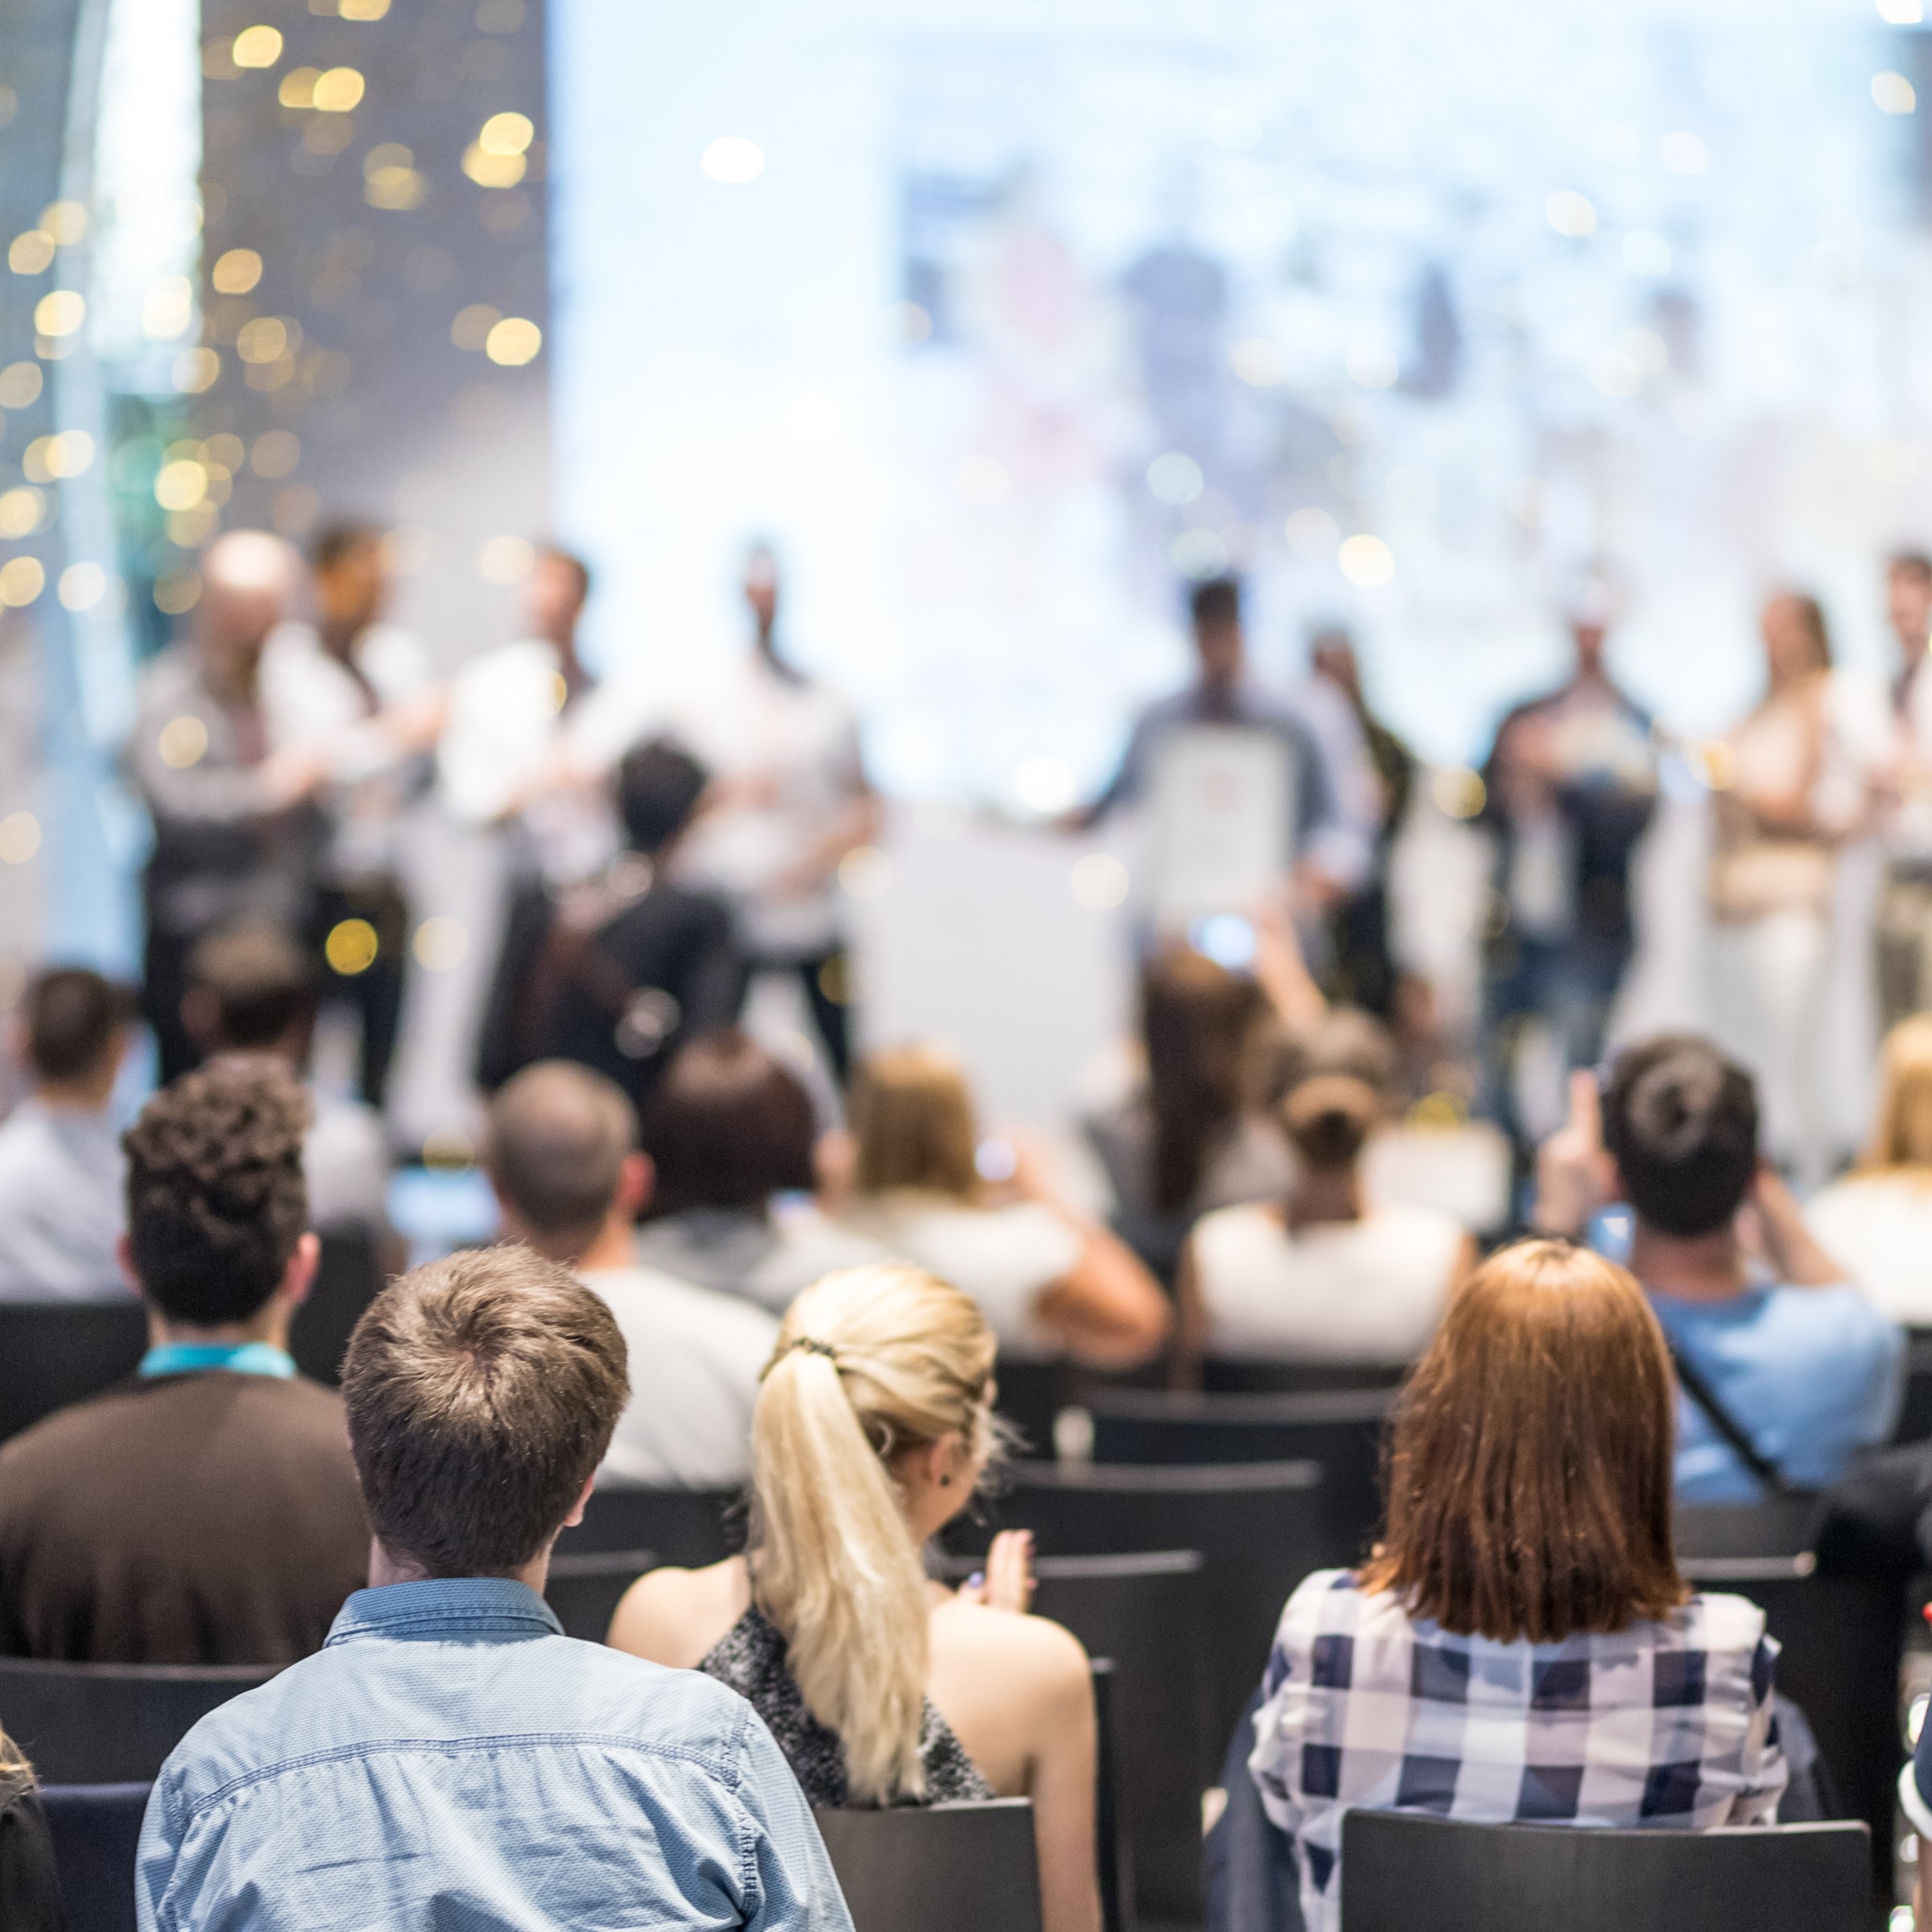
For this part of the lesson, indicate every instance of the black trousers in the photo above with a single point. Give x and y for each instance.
(374, 993)
(826, 978)
(164, 987)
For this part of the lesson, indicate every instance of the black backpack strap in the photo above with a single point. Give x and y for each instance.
(1693, 1382)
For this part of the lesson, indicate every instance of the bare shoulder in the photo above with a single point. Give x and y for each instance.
(675, 1616)
(1045, 1656)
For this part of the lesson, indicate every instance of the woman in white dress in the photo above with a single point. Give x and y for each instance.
(1049, 1281)
(1324, 1274)
(1876, 1223)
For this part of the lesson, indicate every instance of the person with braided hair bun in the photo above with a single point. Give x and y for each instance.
(872, 1430)
(205, 1510)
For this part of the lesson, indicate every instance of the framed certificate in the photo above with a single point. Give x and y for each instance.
(1222, 821)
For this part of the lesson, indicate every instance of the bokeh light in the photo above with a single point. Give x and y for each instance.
(256, 47)
(59, 312)
(20, 385)
(1099, 881)
(22, 580)
(506, 559)
(21, 510)
(441, 943)
(351, 946)
(865, 872)
(19, 838)
(196, 371)
(338, 90)
(83, 586)
(514, 341)
(30, 253)
(236, 272)
(1367, 561)
(1570, 214)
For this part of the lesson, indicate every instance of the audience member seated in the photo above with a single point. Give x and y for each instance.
(872, 1433)
(1878, 1220)
(451, 1758)
(30, 1880)
(618, 972)
(250, 990)
(1323, 1275)
(1047, 1280)
(1522, 1647)
(728, 1129)
(203, 1512)
(60, 1165)
(1197, 1135)
(1775, 1350)
(563, 1160)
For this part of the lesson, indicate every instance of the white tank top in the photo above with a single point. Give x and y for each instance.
(1371, 1290)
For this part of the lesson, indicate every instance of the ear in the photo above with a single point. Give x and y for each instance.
(637, 1182)
(124, 1253)
(200, 1016)
(576, 1515)
(299, 1277)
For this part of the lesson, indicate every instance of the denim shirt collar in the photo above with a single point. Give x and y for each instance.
(442, 1607)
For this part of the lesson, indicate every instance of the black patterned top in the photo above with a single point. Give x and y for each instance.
(750, 1658)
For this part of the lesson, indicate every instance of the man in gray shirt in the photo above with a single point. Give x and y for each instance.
(61, 1208)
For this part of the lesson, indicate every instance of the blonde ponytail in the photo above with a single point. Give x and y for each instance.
(870, 1363)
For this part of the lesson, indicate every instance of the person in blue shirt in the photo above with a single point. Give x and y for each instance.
(1763, 1324)
(449, 1758)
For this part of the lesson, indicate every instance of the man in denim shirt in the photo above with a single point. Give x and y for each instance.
(449, 1758)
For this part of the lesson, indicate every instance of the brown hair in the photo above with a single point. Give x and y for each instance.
(1530, 1467)
(912, 1116)
(481, 1392)
(216, 1201)
(1200, 1023)
(728, 1127)
(1901, 1133)
(1337, 1082)
(253, 985)
(559, 1136)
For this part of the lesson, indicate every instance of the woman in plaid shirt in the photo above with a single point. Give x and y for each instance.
(1522, 1647)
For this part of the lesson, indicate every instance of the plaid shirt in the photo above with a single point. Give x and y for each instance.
(1664, 1723)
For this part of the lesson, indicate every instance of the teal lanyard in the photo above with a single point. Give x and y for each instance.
(238, 1358)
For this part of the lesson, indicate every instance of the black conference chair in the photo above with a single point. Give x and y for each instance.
(52, 1353)
(688, 1528)
(967, 1867)
(1915, 1415)
(96, 1830)
(1258, 1525)
(1031, 1396)
(1341, 1429)
(1841, 1639)
(1112, 1858)
(585, 1589)
(348, 1278)
(1236, 1374)
(111, 1723)
(1405, 1873)
(1146, 1613)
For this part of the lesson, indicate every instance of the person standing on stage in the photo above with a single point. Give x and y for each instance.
(235, 831)
(1568, 789)
(789, 799)
(1904, 919)
(1331, 854)
(361, 692)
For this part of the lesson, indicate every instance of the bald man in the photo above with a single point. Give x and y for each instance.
(235, 833)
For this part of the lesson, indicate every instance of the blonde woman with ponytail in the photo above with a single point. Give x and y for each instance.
(872, 1430)
(30, 1881)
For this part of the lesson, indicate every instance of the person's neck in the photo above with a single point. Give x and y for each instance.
(1695, 1268)
(339, 635)
(1324, 1194)
(386, 1567)
(269, 1324)
(87, 1095)
(611, 1247)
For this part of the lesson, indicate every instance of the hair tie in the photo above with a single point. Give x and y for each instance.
(812, 1345)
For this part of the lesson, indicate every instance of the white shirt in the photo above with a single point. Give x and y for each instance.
(1878, 1229)
(508, 720)
(1908, 832)
(1372, 1291)
(696, 1357)
(794, 744)
(770, 1260)
(1006, 1258)
(346, 1168)
(63, 1204)
(309, 697)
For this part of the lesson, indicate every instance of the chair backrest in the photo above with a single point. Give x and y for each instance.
(1031, 1395)
(1240, 1375)
(1840, 1639)
(585, 1588)
(1342, 1430)
(688, 1528)
(111, 1723)
(52, 1353)
(96, 1830)
(1528, 1878)
(968, 1867)
(349, 1276)
(1146, 1613)
(1915, 1412)
(1112, 1858)
(1258, 1525)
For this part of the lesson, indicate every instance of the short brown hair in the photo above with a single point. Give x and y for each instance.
(728, 1127)
(1530, 1469)
(258, 982)
(74, 1018)
(559, 1134)
(912, 1117)
(482, 1390)
(216, 1202)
